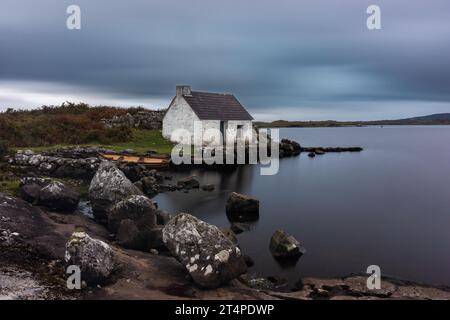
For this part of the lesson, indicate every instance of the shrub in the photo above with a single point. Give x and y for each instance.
(69, 123)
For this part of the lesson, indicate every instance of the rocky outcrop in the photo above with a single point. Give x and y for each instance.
(134, 220)
(322, 150)
(208, 255)
(148, 119)
(30, 188)
(94, 257)
(59, 197)
(285, 246)
(54, 195)
(289, 148)
(108, 187)
(30, 269)
(51, 164)
(242, 208)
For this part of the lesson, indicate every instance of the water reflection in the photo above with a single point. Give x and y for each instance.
(388, 205)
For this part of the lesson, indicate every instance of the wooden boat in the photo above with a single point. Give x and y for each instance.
(153, 162)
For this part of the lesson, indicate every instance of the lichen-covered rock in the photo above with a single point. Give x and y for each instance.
(57, 196)
(94, 257)
(108, 187)
(65, 162)
(137, 208)
(133, 220)
(208, 255)
(283, 246)
(242, 208)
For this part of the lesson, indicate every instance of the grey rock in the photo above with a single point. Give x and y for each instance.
(283, 245)
(108, 187)
(189, 183)
(95, 258)
(134, 221)
(137, 208)
(238, 227)
(208, 255)
(57, 196)
(242, 208)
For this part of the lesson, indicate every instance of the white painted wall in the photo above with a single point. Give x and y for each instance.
(181, 116)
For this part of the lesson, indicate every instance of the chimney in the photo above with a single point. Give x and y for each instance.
(182, 89)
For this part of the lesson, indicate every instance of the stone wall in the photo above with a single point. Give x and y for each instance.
(149, 119)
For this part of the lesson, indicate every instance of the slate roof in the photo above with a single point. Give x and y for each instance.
(216, 106)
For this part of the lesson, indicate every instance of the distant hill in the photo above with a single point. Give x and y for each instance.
(433, 119)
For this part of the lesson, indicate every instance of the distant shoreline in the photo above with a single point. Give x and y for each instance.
(434, 119)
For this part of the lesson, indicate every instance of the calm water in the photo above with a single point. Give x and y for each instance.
(388, 205)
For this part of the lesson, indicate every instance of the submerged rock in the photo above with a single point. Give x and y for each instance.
(108, 187)
(208, 255)
(242, 208)
(189, 183)
(208, 187)
(54, 195)
(283, 246)
(319, 151)
(238, 227)
(95, 258)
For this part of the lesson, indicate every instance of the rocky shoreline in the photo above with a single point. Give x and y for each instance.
(146, 253)
(32, 261)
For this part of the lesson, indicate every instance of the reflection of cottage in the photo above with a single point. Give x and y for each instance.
(215, 111)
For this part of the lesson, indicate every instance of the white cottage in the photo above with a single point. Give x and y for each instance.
(215, 111)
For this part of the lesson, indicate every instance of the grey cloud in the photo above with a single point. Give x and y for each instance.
(301, 58)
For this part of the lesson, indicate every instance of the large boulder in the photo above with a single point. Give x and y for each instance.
(134, 220)
(108, 187)
(208, 255)
(285, 246)
(137, 208)
(59, 197)
(242, 208)
(30, 187)
(95, 258)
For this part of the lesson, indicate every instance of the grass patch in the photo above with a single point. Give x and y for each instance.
(10, 186)
(141, 141)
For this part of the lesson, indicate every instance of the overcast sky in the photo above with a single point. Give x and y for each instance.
(283, 59)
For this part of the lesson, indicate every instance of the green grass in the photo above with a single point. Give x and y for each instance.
(141, 141)
(10, 186)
